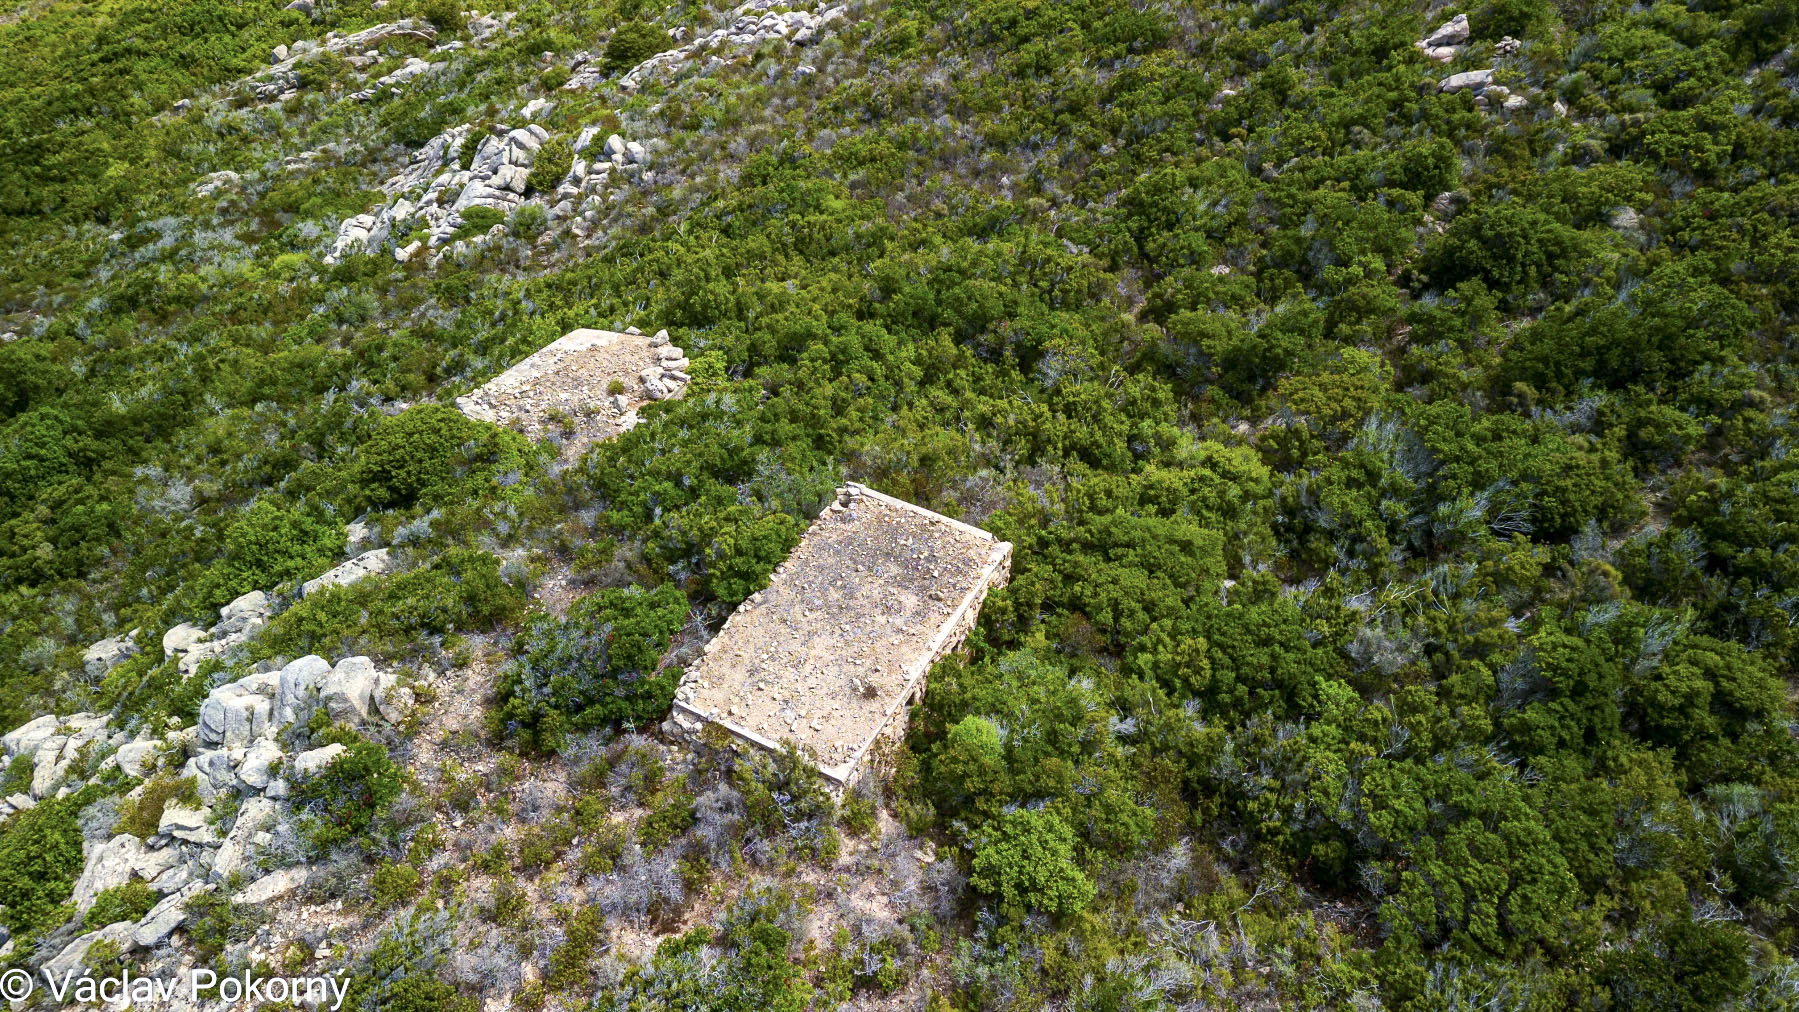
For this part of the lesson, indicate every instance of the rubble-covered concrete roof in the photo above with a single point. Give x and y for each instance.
(565, 387)
(831, 652)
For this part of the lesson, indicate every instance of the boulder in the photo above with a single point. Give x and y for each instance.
(615, 145)
(274, 885)
(392, 699)
(106, 654)
(166, 916)
(1472, 80)
(181, 639)
(348, 691)
(134, 755)
(256, 816)
(27, 737)
(298, 688)
(188, 824)
(308, 763)
(48, 767)
(254, 772)
(108, 866)
(370, 563)
(232, 716)
(1453, 32)
(73, 955)
(215, 766)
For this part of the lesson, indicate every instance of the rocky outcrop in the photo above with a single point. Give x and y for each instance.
(238, 621)
(348, 692)
(371, 563)
(1448, 40)
(106, 654)
(166, 916)
(281, 79)
(190, 824)
(1476, 81)
(232, 715)
(308, 763)
(752, 24)
(298, 687)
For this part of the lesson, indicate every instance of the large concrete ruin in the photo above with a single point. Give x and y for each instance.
(831, 653)
(584, 387)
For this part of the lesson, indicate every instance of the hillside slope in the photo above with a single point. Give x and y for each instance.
(1389, 406)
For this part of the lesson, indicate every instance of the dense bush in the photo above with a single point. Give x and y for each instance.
(1025, 859)
(595, 668)
(632, 43)
(344, 799)
(431, 453)
(40, 857)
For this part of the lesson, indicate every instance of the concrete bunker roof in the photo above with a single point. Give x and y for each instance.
(831, 652)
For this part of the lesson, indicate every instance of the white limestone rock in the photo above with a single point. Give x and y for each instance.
(71, 958)
(232, 716)
(371, 563)
(28, 736)
(134, 757)
(256, 816)
(181, 639)
(1453, 32)
(108, 866)
(348, 691)
(189, 824)
(298, 688)
(106, 654)
(272, 886)
(254, 773)
(308, 763)
(1472, 80)
(167, 915)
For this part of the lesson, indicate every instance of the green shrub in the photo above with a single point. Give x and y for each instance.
(671, 814)
(266, 546)
(413, 454)
(40, 857)
(1025, 859)
(551, 164)
(462, 589)
(18, 773)
(128, 902)
(632, 43)
(475, 220)
(395, 883)
(596, 668)
(346, 797)
(140, 817)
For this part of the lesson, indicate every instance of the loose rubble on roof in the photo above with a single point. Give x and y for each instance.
(583, 387)
(831, 652)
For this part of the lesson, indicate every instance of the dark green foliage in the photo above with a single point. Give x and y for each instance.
(462, 589)
(345, 797)
(421, 456)
(741, 966)
(40, 857)
(598, 667)
(551, 164)
(128, 902)
(268, 546)
(632, 43)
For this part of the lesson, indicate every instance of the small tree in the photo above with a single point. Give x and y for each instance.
(1026, 860)
(632, 43)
